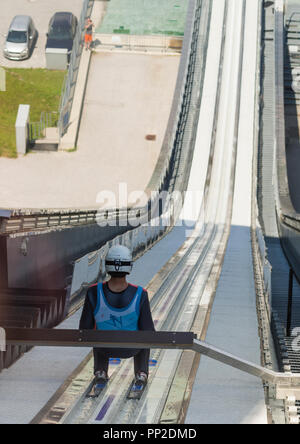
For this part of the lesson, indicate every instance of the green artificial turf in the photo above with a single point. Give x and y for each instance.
(144, 17)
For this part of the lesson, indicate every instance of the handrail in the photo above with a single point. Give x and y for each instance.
(71, 77)
(18, 221)
(160, 171)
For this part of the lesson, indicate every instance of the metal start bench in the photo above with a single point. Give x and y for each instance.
(287, 384)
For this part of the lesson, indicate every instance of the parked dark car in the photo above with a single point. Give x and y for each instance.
(61, 31)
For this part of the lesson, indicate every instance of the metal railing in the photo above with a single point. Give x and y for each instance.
(36, 130)
(186, 67)
(262, 266)
(71, 78)
(17, 222)
(127, 42)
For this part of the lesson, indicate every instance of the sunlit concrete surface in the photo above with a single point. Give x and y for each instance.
(221, 394)
(128, 97)
(32, 380)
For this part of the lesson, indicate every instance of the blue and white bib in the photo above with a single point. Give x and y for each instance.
(111, 318)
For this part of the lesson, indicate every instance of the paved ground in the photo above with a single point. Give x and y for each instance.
(128, 96)
(41, 11)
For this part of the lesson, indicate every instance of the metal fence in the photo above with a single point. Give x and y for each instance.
(127, 42)
(12, 222)
(70, 80)
(36, 130)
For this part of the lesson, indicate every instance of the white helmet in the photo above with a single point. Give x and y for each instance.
(118, 260)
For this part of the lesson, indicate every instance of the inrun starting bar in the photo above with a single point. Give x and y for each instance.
(96, 338)
(287, 384)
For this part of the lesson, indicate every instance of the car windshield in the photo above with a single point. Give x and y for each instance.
(17, 37)
(60, 32)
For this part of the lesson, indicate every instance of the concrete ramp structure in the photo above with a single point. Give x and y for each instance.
(212, 138)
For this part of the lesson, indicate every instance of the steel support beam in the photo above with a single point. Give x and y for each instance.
(246, 366)
(287, 384)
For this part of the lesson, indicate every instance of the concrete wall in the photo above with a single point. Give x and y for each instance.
(45, 260)
(22, 128)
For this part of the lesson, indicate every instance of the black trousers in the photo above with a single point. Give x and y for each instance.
(102, 355)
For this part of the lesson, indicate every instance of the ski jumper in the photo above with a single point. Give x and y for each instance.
(128, 310)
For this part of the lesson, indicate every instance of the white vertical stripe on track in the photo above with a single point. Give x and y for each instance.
(222, 394)
(153, 403)
(196, 184)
